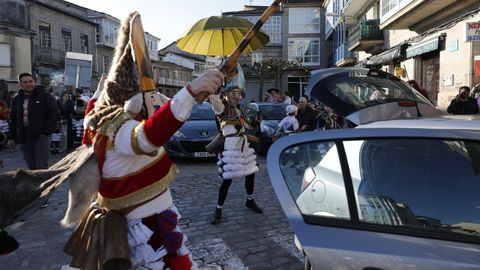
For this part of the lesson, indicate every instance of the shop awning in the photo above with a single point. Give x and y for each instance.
(424, 46)
(387, 56)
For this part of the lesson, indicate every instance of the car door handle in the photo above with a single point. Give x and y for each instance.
(372, 268)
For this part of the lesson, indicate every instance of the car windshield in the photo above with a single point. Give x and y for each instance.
(273, 111)
(202, 112)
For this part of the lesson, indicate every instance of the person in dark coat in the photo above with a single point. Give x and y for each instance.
(34, 116)
(306, 116)
(463, 103)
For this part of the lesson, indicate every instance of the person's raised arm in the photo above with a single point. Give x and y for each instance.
(169, 118)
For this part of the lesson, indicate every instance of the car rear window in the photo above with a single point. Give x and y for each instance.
(366, 91)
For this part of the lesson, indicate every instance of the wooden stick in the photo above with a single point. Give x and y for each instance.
(228, 67)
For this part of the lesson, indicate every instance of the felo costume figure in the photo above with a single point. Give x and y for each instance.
(237, 159)
(127, 128)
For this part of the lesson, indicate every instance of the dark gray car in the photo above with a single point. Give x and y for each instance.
(272, 115)
(190, 140)
(362, 95)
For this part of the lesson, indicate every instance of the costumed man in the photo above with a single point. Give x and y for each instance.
(128, 128)
(237, 159)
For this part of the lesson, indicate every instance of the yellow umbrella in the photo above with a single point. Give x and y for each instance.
(219, 36)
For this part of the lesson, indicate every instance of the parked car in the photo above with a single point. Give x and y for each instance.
(362, 95)
(272, 114)
(397, 194)
(199, 130)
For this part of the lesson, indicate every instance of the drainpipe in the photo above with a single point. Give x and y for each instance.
(32, 52)
(471, 66)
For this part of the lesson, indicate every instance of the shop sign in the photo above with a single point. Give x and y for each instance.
(423, 47)
(472, 31)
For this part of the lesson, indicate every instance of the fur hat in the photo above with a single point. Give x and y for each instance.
(122, 82)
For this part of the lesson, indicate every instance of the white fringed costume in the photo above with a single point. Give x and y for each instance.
(237, 159)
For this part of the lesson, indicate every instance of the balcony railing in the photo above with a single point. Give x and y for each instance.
(49, 55)
(365, 35)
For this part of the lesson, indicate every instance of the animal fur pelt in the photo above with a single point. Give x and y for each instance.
(23, 191)
(84, 183)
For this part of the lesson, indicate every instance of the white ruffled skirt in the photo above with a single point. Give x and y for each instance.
(237, 160)
(142, 254)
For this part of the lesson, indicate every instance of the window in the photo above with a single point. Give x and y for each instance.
(66, 40)
(272, 27)
(303, 20)
(44, 35)
(83, 43)
(105, 64)
(389, 8)
(304, 50)
(297, 86)
(309, 171)
(98, 34)
(397, 184)
(211, 62)
(5, 55)
(199, 68)
(256, 58)
(109, 32)
(152, 47)
(404, 182)
(388, 5)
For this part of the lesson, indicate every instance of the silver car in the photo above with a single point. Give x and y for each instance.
(199, 130)
(399, 194)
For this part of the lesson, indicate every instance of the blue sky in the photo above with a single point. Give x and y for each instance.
(168, 19)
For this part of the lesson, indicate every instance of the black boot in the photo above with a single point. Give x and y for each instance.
(7, 243)
(252, 205)
(217, 218)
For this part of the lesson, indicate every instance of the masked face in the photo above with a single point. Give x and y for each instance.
(233, 97)
(153, 101)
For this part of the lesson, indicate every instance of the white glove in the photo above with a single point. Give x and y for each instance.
(217, 104)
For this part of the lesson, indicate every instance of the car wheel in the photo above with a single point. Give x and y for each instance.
(306, 264)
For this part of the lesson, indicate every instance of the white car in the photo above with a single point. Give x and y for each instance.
(403, 193)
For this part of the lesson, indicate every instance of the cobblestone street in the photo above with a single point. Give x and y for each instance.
(245, 240)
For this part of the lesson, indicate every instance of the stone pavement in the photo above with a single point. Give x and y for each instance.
(245, 240)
